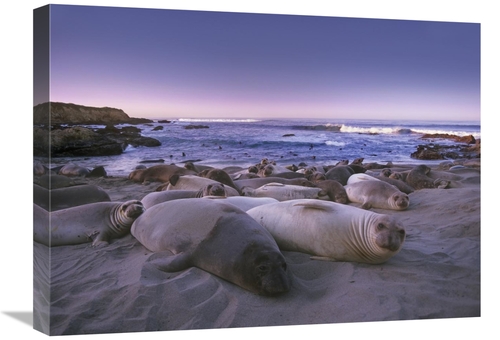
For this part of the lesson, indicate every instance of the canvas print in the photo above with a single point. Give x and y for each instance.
(201, 170)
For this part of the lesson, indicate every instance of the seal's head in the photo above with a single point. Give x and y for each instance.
(216, 189)
(132, 209)
(396, 175)
(400, 201)
(266, 270)
(137, 175)
(390, 234)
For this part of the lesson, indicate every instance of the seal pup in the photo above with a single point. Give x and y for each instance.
(334, 231)
(39, 169)
(94, 222)
(335, 191)
(193, 182)
(285, 192)
(377, 194)
(418, 178)
(219, 175)
(73, 170)
(212, 190)
(340, 173)
(68, 197)
(158, 173)
(216, 237)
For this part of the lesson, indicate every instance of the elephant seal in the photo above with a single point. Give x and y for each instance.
(334, 190)
(39, 169)
(212, 190)
(97, 222)
(418, 178)
(73, 196)
(331, 231)
(340, 173)
(377, 194)
(73, 170)
(219, 175)
(216, 237)
(285, 192)
(158, 173)
(193, 182)
(53, 181)
(401, 185)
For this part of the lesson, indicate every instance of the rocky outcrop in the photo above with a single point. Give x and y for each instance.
(459, 139)
(81, 141)
(73, 141)
(58, 140)
(67, 113)
(459, 151)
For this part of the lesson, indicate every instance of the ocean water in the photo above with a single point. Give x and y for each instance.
(287, 141)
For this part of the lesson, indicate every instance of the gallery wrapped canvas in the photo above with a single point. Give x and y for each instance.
(201, 170)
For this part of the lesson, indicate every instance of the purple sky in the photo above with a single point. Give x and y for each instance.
(171, 64)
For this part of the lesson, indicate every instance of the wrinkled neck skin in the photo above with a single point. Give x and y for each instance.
(362, 240)
(120, 223)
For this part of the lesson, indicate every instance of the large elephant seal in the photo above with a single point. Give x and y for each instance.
(377, 194)
(95, 222)
(285, 192)
(331, 231)
(216, 237)
(158, 173)
(54, 181)
(62, 198)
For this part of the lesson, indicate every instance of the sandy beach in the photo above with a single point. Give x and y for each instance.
(112, 289)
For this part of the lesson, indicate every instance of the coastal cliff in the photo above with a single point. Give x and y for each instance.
(52, 138)
(67, 113)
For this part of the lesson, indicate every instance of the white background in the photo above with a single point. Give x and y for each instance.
(16, 271)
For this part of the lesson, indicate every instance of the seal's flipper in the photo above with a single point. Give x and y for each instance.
(366, 206)
(174, 179)
(167, 262)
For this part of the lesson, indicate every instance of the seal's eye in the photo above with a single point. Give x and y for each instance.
(263, 268)
(380, 226)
